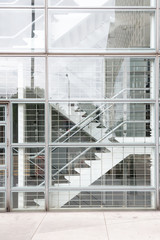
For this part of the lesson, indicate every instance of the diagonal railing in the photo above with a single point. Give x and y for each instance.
(86, 150)
(89, 116)
(29, 159)
(90, 119)
(82, 127)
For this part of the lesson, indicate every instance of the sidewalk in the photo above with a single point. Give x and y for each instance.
(142, 225)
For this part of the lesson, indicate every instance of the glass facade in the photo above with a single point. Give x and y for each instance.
(79, 104)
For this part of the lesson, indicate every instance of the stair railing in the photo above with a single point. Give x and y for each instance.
(75, 126)
(82, 127)
(88, 117)
(29, 159)
(86, 150)
(81, 154)
(82, 121)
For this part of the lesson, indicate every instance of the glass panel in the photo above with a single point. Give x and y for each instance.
(17, 3)
(100, 3)
(28, 200)
(2, 134)
(102, 122)
(28, 167)
(102, 199)
(101, 166)
(2, 113)
(93, 30)
(22, 77)
(2, 178)
(2, 156)
(21, 30)
(101, 78)
(2, 200)
(28, 122)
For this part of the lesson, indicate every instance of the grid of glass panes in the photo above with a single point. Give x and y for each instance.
(102, 199)
(75, 85)
(105, 101)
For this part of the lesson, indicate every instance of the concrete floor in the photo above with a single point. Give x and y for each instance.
(80, 226)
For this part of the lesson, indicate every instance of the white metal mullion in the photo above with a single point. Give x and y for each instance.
(46, 113)
(157, 177)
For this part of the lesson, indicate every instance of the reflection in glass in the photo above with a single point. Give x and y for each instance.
(28, 123)
(21, 30)
(91, 30)
(22, 77)
(101, 78)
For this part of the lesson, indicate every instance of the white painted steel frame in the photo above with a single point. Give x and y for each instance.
(149, 53)
(6, 146)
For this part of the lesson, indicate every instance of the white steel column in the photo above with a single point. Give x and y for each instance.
(20, 136)
(46, 113)
(125, 97)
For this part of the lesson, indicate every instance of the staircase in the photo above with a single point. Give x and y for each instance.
(83, 121)
(87, 175)
(93, 168)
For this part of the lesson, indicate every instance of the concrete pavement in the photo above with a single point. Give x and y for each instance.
(143, 225)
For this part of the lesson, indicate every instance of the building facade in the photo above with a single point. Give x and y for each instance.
(79, 104)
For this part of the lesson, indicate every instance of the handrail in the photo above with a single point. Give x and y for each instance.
(41, 184)
(38, 154)
(36, 165)
(21, 31)
(86, 150)
(83, 126)
(75, 126)
(32, 161)
(82, 121)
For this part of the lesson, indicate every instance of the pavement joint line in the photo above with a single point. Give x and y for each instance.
(106, 226)
(38, 225)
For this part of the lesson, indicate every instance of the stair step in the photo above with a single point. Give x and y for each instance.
(81, 165)
(40, 202)
(59, 181)
(69, 173)
(91, 162)
(79, 110)
(101, 126)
